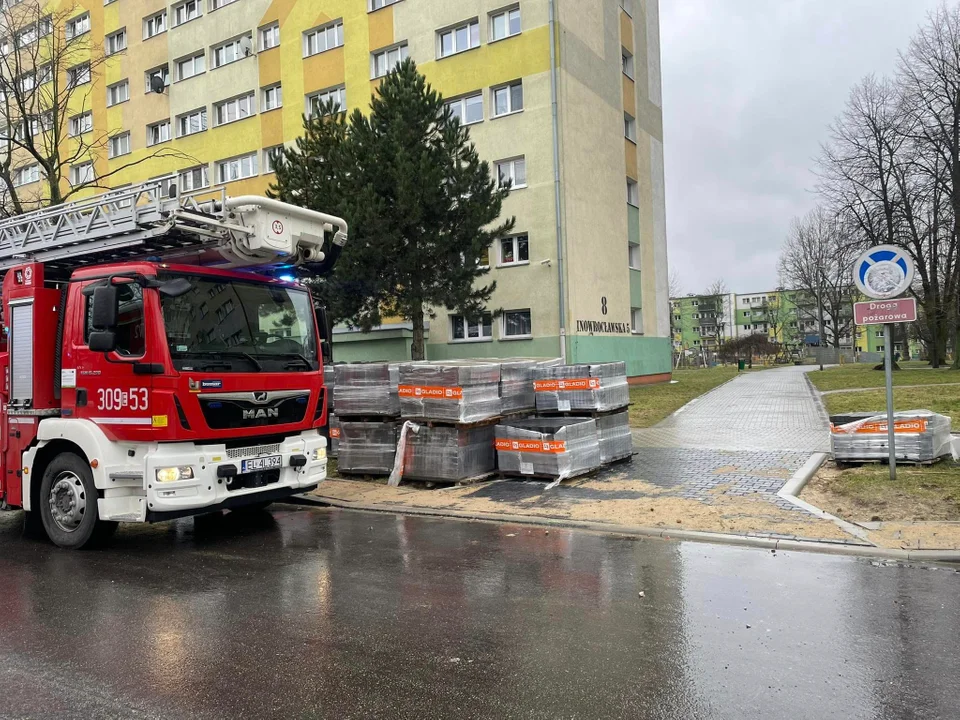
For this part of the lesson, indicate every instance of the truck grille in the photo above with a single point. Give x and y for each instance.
(253, 451)
(225, 413)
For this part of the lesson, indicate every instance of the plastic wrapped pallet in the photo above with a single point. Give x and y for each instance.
(329, 381)
(548, 447)
(367, 447)
(333, 435)
(458, 392)
(517, 376)
(449, 454)
(601, 387)
(366, 390)
(919, 435)
(616, 440)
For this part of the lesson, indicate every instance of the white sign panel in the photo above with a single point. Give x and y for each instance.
(883, 272)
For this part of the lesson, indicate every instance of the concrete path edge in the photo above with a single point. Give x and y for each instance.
(640, 531)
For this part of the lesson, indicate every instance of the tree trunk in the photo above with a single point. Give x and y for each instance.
(417, 346)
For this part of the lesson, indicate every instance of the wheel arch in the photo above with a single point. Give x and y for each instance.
(43, 454)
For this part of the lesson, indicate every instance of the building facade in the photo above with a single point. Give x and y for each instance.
(562, 98)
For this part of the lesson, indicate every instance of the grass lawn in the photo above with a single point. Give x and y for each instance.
(865, 493)
(864, 376)
(652, 403)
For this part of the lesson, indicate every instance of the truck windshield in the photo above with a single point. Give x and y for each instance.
(228, 325)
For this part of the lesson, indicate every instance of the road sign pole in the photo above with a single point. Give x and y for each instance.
(888, 355)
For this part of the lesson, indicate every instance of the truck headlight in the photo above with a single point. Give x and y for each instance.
(172, 474)
(320, 454)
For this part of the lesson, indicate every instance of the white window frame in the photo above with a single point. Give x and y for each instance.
(78, 74)
(503, 325)
(402, 51)
(507, 15)
(217, 4)
(80, 124)
(636, 321)
(627, 63)
(510, 165)
(633, 193)
(312, 38)
(273, 32)
(313, 99)
(268, 162)
(161, 70)
(26, 175)
(118, 88)
(508, 89)
(633, 256)
(380, 4)
(77, 26)
(157, 126)
(155, 24)
(219, 52)
(201, 116)
(116, 42)
(515, 240)
(630, 127)
(198, 12)
(190, 172)
(200, 57)
(249, 99)
(275, 91)
(460, 104)
(121, 139)
(467, 326)
(472, 30)
(239, 159)
(85, 168)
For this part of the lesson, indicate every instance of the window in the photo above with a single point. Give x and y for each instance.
(27, 82)
(192, 122)
(513, 171)
(158, 132)
(508, 99)
(636, 321)
(270, 36)
(119, 145)
(504, 24)
(880, 348)
(879, 333)
(456, 40)
(484, 259)
(188, 67)
(80, 124)
(634, 256)
(79, 74)
(323, 38)
(193, 179)
(115, 42)
(633, 193)
(46, 26)
(77, 26)
(629, 127)
(237, 168)
(515, 250)
(270, 157)
(185, 12)
(26, 175)
(217, 4)
(516, 323)
(271, 98)
(461, 330)
(377, 4)
(383, 62)
(467, 110)
(154, 25)
(162, 72)
(81, 173)
(626, 62)
(234, 109)
(336, 95)
(118, 93)
(230, 52)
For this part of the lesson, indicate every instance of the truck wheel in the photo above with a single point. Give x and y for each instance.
(68, 504)
(33, 526)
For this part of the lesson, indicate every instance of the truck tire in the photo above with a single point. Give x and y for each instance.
(68, 504)
(33, 526)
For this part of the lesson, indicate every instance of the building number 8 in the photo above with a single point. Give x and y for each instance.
(603, 304)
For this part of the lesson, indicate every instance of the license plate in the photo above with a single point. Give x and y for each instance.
(261, 463)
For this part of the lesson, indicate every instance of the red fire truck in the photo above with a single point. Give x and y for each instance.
(156, 362)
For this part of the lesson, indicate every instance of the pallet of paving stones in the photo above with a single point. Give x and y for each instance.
(596, 387)
(364, 391)
(558, 448)
(921, 437)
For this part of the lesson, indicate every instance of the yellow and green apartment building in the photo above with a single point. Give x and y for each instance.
(585, 274)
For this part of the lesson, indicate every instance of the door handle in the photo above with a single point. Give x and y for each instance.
(81, 397)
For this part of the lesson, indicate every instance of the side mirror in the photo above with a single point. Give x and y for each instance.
(103, 341)
(326, 334)
(106, 308)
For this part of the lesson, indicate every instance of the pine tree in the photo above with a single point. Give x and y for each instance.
(421, 206)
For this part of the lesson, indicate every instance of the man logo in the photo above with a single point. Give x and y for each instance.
(261, 413)
(260, 396)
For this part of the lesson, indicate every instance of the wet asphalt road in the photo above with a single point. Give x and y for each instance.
(336, 614)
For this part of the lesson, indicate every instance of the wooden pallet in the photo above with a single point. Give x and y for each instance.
(450, 483)
(588, 414)
(367, 418)
(486, 422)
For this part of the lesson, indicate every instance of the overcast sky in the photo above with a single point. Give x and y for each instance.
(749, 87)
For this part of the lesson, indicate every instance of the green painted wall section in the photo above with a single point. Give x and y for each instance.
(368, 350)
(633, 225)
(535, 347)
(636, 296)
(643, 355)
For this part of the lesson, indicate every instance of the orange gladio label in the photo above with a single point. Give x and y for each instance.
(566, 384)
(428, 392)
(535, 446)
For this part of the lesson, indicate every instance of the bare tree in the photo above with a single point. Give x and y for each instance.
(713, 311)
(49, 65)
(675, 287)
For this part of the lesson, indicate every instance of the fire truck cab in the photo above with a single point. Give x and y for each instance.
(155, 363)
